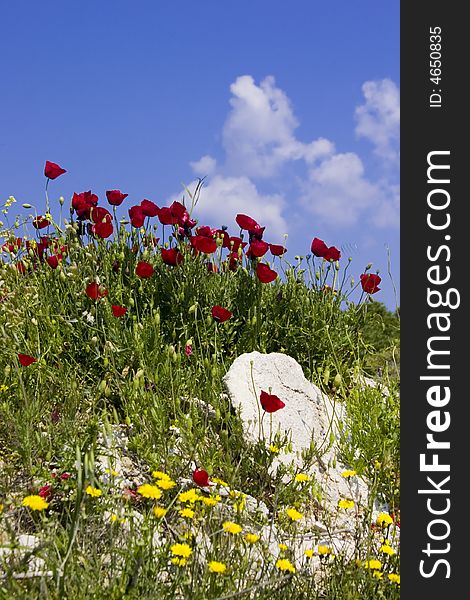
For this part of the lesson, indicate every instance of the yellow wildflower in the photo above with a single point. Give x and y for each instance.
(159, 511)
(282, 547)
(384, 519)
(294, 514)
(285, 565)
(189, 496)
(308, 552)
(394, 577)
(348, 473)
(323, 550)
(346, 504)
(187, 513)
(377, 574)
(165, 484)
(274, 449)
(183, 550)
(232, 528)
(180, 562)
(211, 500)
(251, 538)
(149, 491)
(301, 477)
(217, 567)
(372, 564)
(386, 549)
(219, 481)
(92, 491)
(35, 502)
(161, 475)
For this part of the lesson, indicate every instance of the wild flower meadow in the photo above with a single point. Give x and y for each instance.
(124, 472)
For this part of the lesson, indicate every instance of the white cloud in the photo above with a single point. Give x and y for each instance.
(259, 140)
(378, 119)
(204, 166)
(258, 135)
(338, 194)
(222, 198)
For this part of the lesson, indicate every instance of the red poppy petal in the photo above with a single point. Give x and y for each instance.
(26, 359)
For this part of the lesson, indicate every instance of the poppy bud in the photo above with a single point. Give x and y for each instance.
(107, 392)
(26, 205)
(317, 275)
(102, 385)
(192, 309)
(105, 361)
(139, 374)
(94, 339)
(61, 200)
(337, 380)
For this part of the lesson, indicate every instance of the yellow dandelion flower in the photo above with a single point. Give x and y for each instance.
(179, 562)
(294, 514)
(183, 550)
(348, 473)
(240, 505)
(219, 481)
(211, 500)
(346, 504)
(377, 464)
(394, 577)
(323, 550)
(301, 477)
(161, 475)
(116, 519)
(358, 563)
(35, 502)
(377, 574)
(285, 565)
(3, 387)
(274, 449)
(165, 484)
(384, 519)
(187, 513)
(386, 549)
(308, 553)
(149, 491)
(373, 564)
(159, 511)
(92, 491)
(282, 547)
(216, 567)
(189, 496)
(251, 538)
(232, 528)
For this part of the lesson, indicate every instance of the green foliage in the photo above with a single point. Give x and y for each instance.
(142, 371)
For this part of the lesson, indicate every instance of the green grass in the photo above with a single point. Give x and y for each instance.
(95, 371)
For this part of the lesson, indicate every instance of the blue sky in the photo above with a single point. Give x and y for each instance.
(291, 110)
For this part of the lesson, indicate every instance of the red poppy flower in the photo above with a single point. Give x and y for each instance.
(270, 402)
(94, 291)
(65, 475)
(83, 203)
(53, 261)
(257, 232)
(103, 229)
(115, 197)
(370, 282)
(178, 210)
(206, 231)
(332, 253)
(246, 222)
(118, 311)
(149, 208)
(52, 170)
(137, 216)
(188, 349)
(319, 248)
(277, 250)
(166, 217)
(233, 261)
(26, 360)
(201, 477)
(41, 222)
(172, 256)
(221, 314)
(144, 270)
(257, 249)
(265, 274)
(45, 492)
(204, 244)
